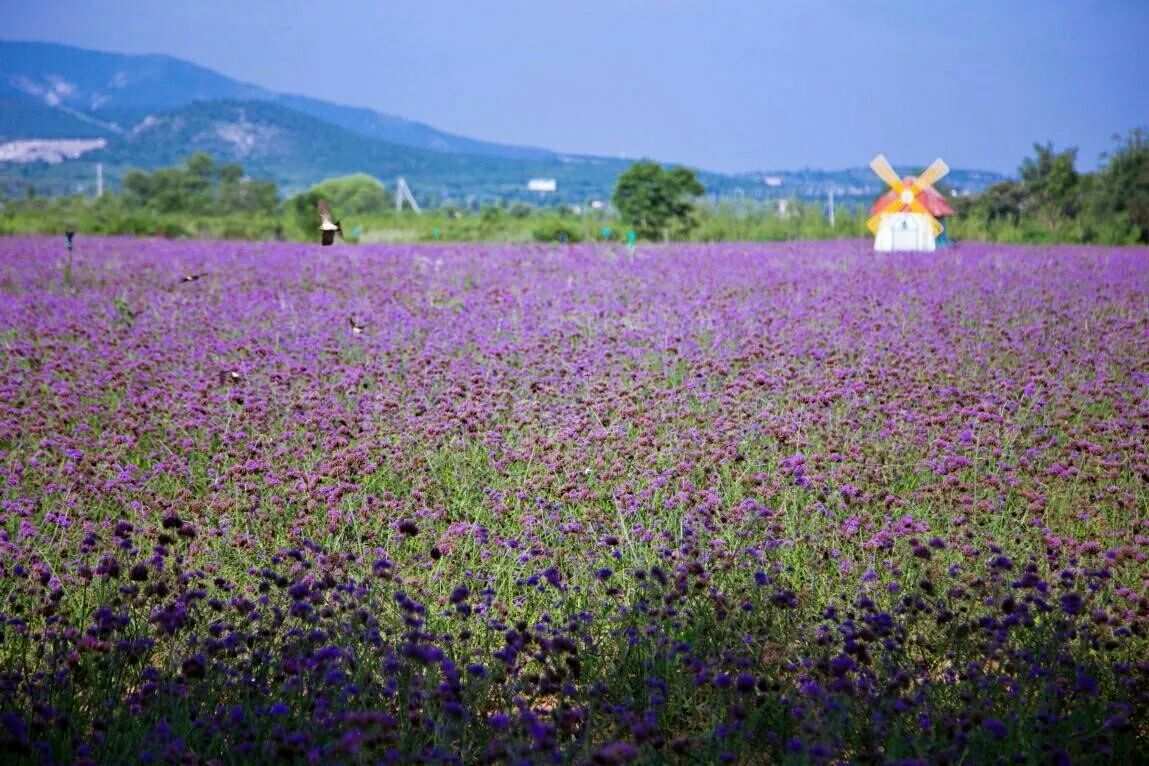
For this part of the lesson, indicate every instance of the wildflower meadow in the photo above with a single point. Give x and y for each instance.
(460, 504)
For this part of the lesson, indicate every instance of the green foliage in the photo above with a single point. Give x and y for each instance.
(304, 215)
(1053, 202)
(354, 195)
(199, 187)
(657, 202)
(115, 215)
(729, 222)
(1122, 188)
(1051, 184)
(1001, 202)
(556, 230)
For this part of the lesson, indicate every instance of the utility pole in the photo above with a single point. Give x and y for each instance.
(403, 192)
(831, 193)
(99, 179)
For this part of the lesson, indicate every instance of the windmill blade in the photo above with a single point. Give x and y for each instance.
(874, 221)
(885, 171)
(931, 175)
(897, 205)
(918, 207)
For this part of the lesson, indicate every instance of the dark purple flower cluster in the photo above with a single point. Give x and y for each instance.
(794, 503)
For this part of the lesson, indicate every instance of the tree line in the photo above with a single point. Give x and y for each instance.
(1050, 201)
(200, 187)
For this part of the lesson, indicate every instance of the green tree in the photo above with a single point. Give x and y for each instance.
(354, 195)
(1122, 187)
(655, 201)
(259, 196)
(303, 212)
(201, 167)
(230, 174)
(173, 190)
(238, 194)
(231, 191)
(1051, 184)
(195, 187)
(199, 187)
(137, 187)
(1002, 202)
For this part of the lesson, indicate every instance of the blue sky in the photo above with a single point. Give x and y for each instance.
(720, 84)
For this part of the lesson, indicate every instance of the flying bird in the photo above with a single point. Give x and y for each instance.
(68, 236)
(327, 227)
(192, 277)
(356, 327)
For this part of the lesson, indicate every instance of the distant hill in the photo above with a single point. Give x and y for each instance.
(121, 89)
(155, 110)
(296, 150)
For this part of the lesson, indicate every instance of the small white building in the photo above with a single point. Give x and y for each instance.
(905, 232)
(542, 185)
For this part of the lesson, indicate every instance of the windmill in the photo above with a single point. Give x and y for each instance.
(906, 217)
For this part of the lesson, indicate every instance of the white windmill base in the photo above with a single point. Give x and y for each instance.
(905, 232)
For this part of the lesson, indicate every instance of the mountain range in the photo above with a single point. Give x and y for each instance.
(149, 111)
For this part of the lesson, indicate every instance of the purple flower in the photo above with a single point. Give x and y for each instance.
(1071, 603)
(995, 727)
(615, 753)
(554, 577)
(193, 667)
(841, 665)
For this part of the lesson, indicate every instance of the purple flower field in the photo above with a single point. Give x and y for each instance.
(537, 505)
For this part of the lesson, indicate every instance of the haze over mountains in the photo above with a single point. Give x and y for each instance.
(152, 111)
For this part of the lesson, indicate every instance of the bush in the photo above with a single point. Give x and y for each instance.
(356, 194)
(556, 230)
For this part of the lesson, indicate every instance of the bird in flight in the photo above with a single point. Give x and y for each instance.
(356, 326)
(192, 277)
(68, 235)
(327, 227)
